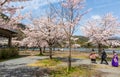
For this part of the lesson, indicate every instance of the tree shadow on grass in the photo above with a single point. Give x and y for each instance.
(65, 59)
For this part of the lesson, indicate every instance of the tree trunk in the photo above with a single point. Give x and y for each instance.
(9, 41)
(99, 49)
(40, 49)
(25, 48)
(44, 49)
(69, 56)
(50, 51)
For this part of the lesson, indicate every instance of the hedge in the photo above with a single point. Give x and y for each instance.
(6, 53)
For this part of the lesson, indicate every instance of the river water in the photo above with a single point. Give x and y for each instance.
(108, 50)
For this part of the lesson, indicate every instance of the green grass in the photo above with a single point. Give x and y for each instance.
(61, 71)
(46, 63)
(78, 71)
(40, 55)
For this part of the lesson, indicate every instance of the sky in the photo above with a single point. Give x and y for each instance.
(99, 8)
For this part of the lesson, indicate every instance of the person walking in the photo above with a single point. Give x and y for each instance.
(93, 56)
(115, 60)
(103, 57)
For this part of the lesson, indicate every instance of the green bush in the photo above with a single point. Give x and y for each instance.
(0, 54)
(6, 53)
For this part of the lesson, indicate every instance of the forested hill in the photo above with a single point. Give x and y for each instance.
(81, 40)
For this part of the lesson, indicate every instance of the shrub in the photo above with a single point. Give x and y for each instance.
(6, 53)
(0, 54)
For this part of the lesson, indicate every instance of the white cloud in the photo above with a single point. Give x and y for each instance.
(35, 4)
(36, 7)
(95, 17)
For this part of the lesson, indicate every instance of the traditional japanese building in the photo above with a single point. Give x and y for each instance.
(9, 34)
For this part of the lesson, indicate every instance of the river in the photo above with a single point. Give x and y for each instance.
(108, 50)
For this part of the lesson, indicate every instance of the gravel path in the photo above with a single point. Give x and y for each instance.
(18, 68)
(109, 71)
(15, 63)
(104, 70)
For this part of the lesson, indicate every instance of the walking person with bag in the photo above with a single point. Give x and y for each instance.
(103, 57)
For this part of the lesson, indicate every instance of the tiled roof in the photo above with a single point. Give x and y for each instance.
(8, 29)
(7, 33)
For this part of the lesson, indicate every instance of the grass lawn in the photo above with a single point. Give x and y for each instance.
(56, 70)
(78, 71)
(46, 63)
(57, 66)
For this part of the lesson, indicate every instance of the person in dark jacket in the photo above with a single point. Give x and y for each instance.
(103, 57)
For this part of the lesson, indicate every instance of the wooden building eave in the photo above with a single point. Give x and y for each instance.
(7, 33)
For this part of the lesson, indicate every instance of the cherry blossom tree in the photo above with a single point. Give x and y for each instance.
(50, 31)
(100, 30)
(2, 2)
(43, 33)
(71, 14)
(34, 38)
(9, 11)
(8, 17)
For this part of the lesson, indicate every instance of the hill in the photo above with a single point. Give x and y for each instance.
(81, 39)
